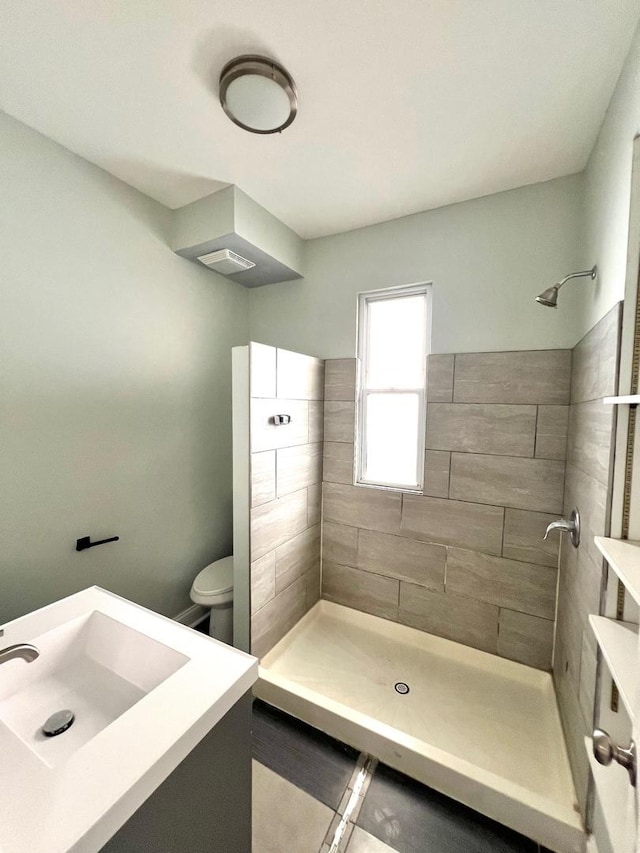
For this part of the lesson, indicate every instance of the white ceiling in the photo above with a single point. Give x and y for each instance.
(404, 105)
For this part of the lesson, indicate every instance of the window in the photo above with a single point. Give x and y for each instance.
(392, 346)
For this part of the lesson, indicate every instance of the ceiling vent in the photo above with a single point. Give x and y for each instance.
(225, 262)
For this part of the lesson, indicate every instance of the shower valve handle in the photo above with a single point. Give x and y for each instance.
(571, 526)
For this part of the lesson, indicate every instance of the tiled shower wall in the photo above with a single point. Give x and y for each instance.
(588, 487)
(285, 478)
(465, 560)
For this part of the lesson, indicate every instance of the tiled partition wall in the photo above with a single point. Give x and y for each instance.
(285, 477)
(588, 487)
(466, 560)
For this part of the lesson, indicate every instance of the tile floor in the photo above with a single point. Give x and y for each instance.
(303, 780)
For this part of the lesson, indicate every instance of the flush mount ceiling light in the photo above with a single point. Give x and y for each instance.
(258, 94)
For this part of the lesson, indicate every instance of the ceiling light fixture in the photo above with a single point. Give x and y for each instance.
(258, 94)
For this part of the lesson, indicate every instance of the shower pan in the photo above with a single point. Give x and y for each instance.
(480, 729)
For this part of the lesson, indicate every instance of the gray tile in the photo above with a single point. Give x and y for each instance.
(536, 376)
(299, 377)
(590, 496)
(314, 504)
(338, 462)
(263, 581)
(595, 359)
(274, 523)
(415, 819)
(298, 467)
(551, 432)
(271, 622)
(363, 842)
(482, 428)
(524, 587)
(361, 590)
(436, 473)
(297, 556)
(575, 730)
(526, 639)
(447, 522)
(511, 481)
(340, 378)
(339, 420)
(263, 477)
(451, 616)
(265, 435)
(357, 506)
(304, 818)
(316, 421)
(608, 364)
(340, 544)
(262, 370)
(572, 625)
(405, 559)
(523, 537)
(591, 439)
(581, 578)
(588, 668)
(440, 378)
(313, 580)
(304, 756)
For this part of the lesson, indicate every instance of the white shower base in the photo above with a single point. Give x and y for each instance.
(476, 727)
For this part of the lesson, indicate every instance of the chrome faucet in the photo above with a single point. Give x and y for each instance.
(21, 650)
(571, 526)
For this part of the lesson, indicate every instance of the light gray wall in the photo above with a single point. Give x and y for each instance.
(607, 182)
(487, 259)
(115, 387)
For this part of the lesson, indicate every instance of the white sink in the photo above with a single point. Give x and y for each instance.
(144, 691)
(94, 666)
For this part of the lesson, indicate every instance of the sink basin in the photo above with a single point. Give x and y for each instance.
(94, 666)
(144, 690)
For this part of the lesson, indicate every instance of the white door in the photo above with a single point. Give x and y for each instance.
(615, 824)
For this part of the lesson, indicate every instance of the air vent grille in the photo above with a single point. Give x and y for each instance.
(226, 262)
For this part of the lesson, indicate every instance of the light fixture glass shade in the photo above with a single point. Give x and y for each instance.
(258, 94)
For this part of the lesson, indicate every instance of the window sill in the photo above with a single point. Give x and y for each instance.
(386, 488)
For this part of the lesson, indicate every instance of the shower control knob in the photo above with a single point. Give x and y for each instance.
(606, 750)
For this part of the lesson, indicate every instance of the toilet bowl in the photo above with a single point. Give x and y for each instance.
(213, 587)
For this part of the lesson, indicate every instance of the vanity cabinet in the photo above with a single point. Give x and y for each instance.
(204, 806)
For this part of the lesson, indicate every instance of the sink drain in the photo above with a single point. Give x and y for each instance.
(58, 723)
(401, 687)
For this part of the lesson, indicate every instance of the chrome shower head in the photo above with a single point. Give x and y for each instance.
(549, 297)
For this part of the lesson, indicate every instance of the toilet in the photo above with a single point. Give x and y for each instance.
(213, 587)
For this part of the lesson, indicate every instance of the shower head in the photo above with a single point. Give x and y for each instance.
(549, 297)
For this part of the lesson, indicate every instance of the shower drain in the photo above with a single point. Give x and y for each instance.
(401, 687)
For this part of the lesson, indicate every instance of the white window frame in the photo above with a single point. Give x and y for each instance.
(364, 300)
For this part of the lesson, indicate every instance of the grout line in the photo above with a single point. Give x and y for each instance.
(339, 832)
(453, 379)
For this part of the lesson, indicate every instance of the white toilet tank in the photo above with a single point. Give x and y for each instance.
(213, 587)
